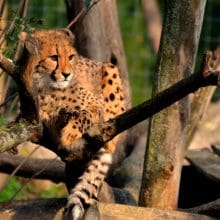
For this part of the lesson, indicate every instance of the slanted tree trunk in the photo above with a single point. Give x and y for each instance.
(167, 133)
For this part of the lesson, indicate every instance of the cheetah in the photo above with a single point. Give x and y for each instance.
(88, 92)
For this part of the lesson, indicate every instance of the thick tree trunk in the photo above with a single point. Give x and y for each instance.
(99, 36)
(176, 58)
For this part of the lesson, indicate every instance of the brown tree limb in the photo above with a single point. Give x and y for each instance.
(108, 130)
(27, 127)
(53, 169)
(7, 65)
(81, 15)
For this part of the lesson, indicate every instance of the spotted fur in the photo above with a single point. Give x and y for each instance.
(89, 92)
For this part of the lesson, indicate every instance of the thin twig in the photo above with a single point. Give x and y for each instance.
(10, 27)
(108, 130)
(17, 168)
(81, 15)
(31, 178)
(23, 15)
(55, 172)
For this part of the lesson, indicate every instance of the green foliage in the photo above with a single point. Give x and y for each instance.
(3, 120)
(54, 191)
(50, 13)
(17, 24)
(12, 187)
(11, 191)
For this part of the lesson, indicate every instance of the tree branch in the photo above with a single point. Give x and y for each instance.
(53, 169)
(25, 130)
(96, 137)
(19, 132)
(27, 127)
(7, 65)
(81, 15)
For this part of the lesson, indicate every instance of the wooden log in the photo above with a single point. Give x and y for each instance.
(52, 209)
(122, 212)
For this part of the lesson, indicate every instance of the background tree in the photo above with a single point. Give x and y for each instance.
(166, 144)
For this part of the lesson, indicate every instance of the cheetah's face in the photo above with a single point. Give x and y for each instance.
(57, 68)
(55, 57)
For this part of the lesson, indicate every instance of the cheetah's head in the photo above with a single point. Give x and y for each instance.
(54, 56)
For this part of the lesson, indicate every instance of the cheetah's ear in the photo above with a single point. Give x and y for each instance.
(69, 33)
(30, 43)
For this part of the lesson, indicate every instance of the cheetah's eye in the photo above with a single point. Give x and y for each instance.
(54, 57)
(72, 56)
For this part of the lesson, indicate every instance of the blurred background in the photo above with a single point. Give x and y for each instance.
(139, 49)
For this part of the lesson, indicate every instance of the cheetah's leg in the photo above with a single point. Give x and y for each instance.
(71, 139)
(86, 190)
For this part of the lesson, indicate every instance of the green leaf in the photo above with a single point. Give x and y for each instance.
(10, 189)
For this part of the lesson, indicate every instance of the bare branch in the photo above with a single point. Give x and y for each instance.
(81, 15)
(53, 170)
(97, 136)
(22, 131)
(7, 65)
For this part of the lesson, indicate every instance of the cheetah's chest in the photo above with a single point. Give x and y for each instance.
(70, 99)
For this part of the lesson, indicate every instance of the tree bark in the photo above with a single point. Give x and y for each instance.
(166, 140)
(19, 132)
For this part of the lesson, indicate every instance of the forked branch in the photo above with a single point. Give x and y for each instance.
(207, 76)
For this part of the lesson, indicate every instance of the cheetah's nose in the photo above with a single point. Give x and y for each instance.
(65, 75)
